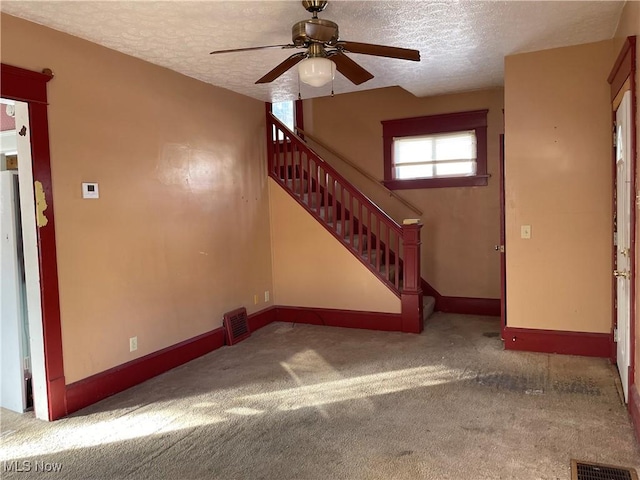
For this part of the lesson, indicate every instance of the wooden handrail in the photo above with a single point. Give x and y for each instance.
(335, 174)
(363, 172)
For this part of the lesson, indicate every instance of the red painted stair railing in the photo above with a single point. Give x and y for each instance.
(389, 250)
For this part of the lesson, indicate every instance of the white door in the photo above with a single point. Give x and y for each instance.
(31, 261)
(623, 237)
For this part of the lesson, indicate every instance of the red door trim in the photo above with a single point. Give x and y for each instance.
(31, 87)
(502, 252)
(623, 68)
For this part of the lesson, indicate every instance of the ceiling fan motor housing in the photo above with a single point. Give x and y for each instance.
(314, 30)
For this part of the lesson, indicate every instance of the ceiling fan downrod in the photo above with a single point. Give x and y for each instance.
(314, 6)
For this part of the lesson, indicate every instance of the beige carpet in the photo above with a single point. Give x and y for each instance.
(312, 402)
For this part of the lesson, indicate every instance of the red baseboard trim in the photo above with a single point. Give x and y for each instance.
(470, 306)
(390, 322)
(262, 318)
(463, 305)
(552, 341)
(634, 409)
(102, 385)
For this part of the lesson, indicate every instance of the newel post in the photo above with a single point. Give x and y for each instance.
(412, 284)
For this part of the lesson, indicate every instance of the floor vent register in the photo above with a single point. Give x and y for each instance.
(597, 471)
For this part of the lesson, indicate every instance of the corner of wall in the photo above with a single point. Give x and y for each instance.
(274, 288)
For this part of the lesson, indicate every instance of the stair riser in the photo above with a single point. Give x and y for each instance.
(326, 214)
(357, 241)
(298, 186)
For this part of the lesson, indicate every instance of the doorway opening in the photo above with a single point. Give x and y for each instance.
(28, 90)
(623, 95)
(15, 351)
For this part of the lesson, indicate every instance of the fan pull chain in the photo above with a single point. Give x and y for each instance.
(332, 87)
(299, 95)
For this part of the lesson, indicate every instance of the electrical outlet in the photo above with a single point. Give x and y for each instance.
(133, 344)
(255, 299)
(266, 295)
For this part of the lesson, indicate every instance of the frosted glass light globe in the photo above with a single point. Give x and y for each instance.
(316, 71)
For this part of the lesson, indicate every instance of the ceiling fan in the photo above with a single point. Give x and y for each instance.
(325, 52)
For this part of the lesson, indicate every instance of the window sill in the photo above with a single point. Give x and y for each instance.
(442, 182)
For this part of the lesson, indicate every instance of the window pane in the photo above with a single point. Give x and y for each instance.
(411, 150)
(456, 146)
(414, 171)
(283, 111)
(449, 154)
(455, 169)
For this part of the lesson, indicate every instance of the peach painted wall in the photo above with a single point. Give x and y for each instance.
(312, 269)
(180, 233)
(559, 180)
(461, 225)
(630, 25)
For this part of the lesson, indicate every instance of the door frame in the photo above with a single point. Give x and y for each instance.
(622, 74)
(502, 246)
(31, 87)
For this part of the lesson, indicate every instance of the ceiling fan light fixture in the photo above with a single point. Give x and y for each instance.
(316, 71)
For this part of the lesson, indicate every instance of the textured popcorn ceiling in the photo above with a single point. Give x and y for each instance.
(463, 43)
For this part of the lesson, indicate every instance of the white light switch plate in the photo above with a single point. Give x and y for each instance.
(90, 190)
(525, 232)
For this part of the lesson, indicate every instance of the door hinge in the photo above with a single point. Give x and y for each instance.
(615, 334)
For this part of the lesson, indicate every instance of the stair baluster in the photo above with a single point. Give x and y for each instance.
(390, 251)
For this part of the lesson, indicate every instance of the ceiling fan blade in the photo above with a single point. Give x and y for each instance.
(380, 50)
(282, 67)
(250, 48)
(350, 69)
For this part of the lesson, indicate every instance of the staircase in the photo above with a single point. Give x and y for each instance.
(389, 250)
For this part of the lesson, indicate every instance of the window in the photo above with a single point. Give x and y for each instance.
(436, 151)
(430, 156)
(283, 111)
